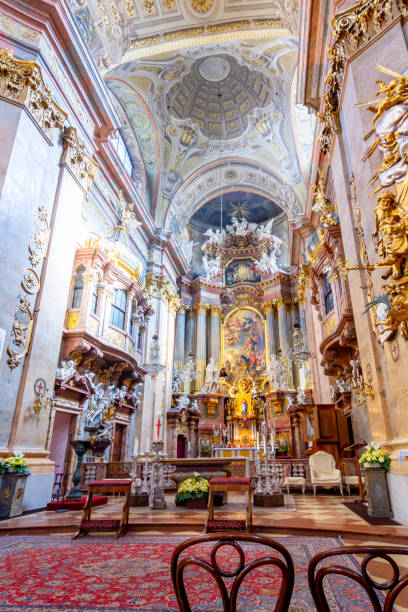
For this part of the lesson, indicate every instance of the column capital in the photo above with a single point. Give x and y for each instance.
(22, 82)
(201, 307)
(216, 311)
(269, 306)
(282, 301)
(182, 308)
(77, 160)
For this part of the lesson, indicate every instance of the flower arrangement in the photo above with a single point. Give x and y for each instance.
(194, 487)
(374, 454)
(205, 449)
(15, 465)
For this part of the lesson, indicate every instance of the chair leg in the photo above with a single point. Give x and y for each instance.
(287, 488)
(303, 489)
(314, 490)
(341, 490)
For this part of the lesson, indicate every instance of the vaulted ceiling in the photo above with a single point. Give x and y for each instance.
(204, 85)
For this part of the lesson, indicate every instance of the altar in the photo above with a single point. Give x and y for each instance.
(247, 452)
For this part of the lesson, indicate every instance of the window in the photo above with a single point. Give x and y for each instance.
(78, 288)
(94, 299)
(327, 294)
(123, 154)
(132, 315)
(118, 309)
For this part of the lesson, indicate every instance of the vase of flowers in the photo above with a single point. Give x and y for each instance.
(13, 477)
(375, 457)
(376, 463)
(193, 492)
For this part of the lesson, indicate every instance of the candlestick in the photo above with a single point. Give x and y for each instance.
(257, 440)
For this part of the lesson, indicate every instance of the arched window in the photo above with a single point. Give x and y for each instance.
(78, 289)
(118, 309)
(327, 294)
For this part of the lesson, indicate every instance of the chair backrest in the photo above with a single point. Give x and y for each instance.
(361, 575)
(229, 600)
(322, 462)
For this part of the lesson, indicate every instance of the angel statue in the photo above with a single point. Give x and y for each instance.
(265, 231)
(127, 217)
(212, 267)
(215, 237)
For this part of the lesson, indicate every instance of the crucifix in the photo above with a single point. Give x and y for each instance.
(158, 425)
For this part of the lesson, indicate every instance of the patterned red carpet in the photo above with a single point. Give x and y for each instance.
(53, 573)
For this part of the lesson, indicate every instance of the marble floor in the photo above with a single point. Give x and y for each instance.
(323, 515)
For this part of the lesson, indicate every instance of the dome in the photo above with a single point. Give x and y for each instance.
(220, 94)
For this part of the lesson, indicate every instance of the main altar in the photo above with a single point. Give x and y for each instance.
(240, 357)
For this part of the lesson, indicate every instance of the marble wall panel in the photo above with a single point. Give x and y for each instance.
(29, 174)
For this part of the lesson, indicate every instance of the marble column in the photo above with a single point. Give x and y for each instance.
(283, 326)
(215, 334)
(201, 344)
(272, 340)
(285, 340)
(180, 337)
(190, 333)
(302, 321)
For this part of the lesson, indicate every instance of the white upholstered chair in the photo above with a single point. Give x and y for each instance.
(323, 471)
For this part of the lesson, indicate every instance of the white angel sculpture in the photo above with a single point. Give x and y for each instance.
(215, 237)
(212, 267)
(265, 231)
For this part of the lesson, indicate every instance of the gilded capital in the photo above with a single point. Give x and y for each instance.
(77, 160)
(216, 311)
(182, 308)
(269, 306)
(23, 83)
(200, 307)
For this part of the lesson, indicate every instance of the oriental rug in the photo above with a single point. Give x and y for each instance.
(42, 573)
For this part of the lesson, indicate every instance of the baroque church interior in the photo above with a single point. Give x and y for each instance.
(204, 302)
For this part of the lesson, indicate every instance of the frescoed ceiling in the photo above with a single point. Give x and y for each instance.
(254, 207)
(205, 83)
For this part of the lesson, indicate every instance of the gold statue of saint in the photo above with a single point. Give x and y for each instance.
(242, 396)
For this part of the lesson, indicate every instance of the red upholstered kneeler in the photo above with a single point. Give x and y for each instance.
(229, 484)
(77, 504)
(108, 485)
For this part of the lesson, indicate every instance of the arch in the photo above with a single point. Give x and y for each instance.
(237, 174)
(154, 173)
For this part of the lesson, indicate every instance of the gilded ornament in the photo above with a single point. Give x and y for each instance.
(43, 401)
(114, 11)
(322, 206)
(201, 6)
(352, 28)
(302, 277)
(76, 159)
(148, 6)
(23, 316)
(130, 8)
(23, 83)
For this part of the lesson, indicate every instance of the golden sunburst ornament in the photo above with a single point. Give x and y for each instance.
(201, 6)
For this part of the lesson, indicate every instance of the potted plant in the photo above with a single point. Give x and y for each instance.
(13, 477)
(205, 449)
(193, 492)
(376, 462)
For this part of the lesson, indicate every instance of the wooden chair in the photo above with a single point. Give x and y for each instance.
(360, 575)
(230, 484)
(120, 485)
(229, 600)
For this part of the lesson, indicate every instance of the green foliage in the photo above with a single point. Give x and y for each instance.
(14, 465)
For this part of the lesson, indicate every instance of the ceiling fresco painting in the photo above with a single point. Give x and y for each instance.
(206, 83)
(254, 207)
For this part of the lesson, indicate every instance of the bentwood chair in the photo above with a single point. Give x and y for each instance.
(361, 572)
(206, 559)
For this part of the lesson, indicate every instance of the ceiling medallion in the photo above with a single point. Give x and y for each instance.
(201, 6)
(214, 68)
